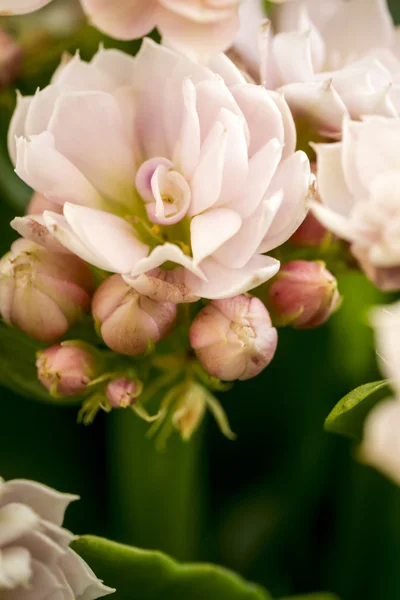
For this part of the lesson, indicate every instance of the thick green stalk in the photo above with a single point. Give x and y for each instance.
(156, 497)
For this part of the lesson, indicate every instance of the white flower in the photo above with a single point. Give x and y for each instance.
(20, 7)
(331, 59)
(35, 560)
(358, 182)
(172, 174)
(381, 443)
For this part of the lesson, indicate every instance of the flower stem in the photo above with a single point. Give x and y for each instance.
(155, 497)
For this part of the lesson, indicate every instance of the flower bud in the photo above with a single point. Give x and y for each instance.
(234, 338)
(10, 59)
(310, 234)
(123, 392)
(128, 321)
(66, 369)
(42, 293)
(303, 294)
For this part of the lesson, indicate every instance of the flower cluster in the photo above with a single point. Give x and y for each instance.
(153, 195)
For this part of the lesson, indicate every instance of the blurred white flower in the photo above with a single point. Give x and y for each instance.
(35, 560)
(358, 182)
(381, 443)
(331, 59)
(160, 162)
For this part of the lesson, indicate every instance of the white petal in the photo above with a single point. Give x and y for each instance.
(33, 228)
(294, 178)
(332, 186)
(237, 252)
(17, 124)
(16, 520)
(210, 230)
(333, 221)
(386, 323)
(206, 183)
(109, 237)
(116, 64)
(81, 578)
(162, 254)
(317, 102)
(262, 167)
(187, 153)
(225, 283)
(15, 568)
(88, 130)
(212, 96)
(292, 55)
(80, 75)
(262, 115)
(46, 502)
(221, 64)
(48, 172)
(61, 230)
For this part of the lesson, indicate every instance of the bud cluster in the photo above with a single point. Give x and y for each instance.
(45, 292)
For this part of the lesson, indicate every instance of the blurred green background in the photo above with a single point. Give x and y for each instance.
(286, 504)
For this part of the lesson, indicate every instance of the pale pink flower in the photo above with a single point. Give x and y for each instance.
(36, 561)
(160, 162)
(381, 442)
(358, 182)
(330, 59)
(198, 27)
(20, 7)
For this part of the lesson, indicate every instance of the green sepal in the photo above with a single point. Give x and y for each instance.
(348, 416)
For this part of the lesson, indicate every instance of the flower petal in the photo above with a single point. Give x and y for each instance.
(128, 20)
(166, 253)
(225, 283)
(210, 230)
(332, 186)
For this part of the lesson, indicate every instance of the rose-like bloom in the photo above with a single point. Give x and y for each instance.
(21, 7)
(43, 293)
(358, 182)
(381, 441)
(331, 59)
(129, 322)
(36, 562)
(234, 338)
(66, 369)
(304, 294)
(179, 180)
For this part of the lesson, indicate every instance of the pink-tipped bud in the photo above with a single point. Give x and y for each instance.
(129, 322)
(234, 338)
(43, 293)
(66, 369)
(123, 392)
(304, 294)
(10, 59)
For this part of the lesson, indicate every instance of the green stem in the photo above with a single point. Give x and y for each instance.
(155, 497)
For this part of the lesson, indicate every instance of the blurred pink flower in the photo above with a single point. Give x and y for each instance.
(20, 7)
(175, 175)
(330, 59)
(197, 27)
(358, 182)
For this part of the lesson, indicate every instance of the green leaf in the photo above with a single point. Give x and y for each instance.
(318, 596)
(151, 575)
(348, 416)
